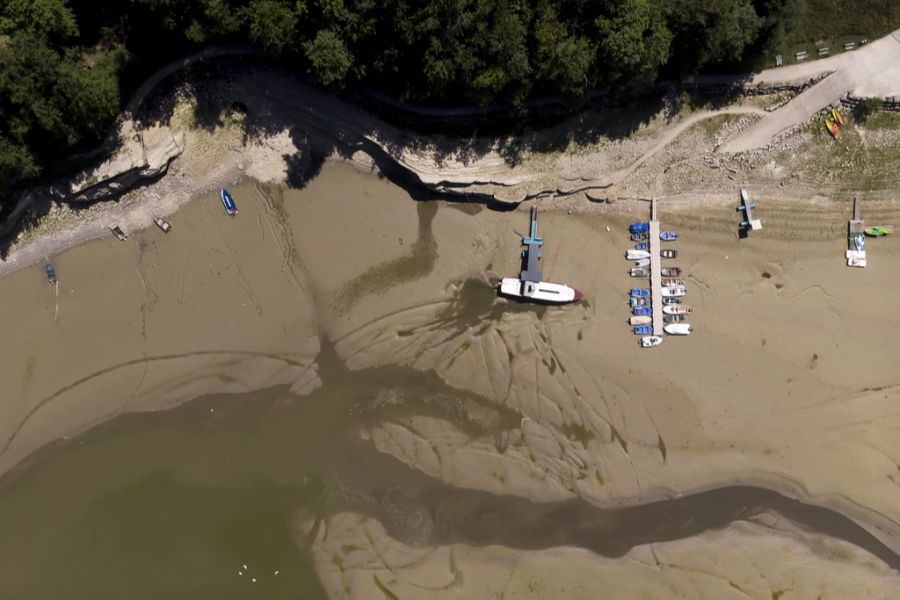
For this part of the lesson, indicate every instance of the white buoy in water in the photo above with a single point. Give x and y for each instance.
(253, 580)
(275, 573)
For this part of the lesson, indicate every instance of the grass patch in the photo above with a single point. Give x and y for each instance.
(883, 120)
(834, 21)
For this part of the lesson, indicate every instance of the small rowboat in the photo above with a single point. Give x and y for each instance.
(643, 330)
(833, 128)
(668, 236)
(51, 273)
(636, 302)
(673, 282)
(640, 237)
(117, 231)
(837, 116)
(642, 246)
(671, 301)
(228, 202)
(640, 293)
(642, 310)
(644, 262)
(639, 272)
(670, 272)
(668, 253)
(677, 309)
(636, 254)
(164, 225)
(640, 320)
(639, 228)
(678, 328)
(673, 318)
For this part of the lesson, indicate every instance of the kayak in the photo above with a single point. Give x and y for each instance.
(228, 202)
(879, 230)
(832, 128)
(837, 116)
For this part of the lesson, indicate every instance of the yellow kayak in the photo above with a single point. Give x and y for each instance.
(837, 116)
(832, 128)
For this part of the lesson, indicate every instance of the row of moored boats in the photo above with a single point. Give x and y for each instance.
(672, 291)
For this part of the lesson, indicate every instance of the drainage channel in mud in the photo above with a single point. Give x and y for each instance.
(149, 504)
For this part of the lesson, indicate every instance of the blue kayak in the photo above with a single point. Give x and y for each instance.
(642, 246)
(643, 330)
(639, 228)
(668, 236)
(640, 293)
(642, 311)
(228, 202)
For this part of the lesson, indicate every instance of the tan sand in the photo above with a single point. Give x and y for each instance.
(356, 558)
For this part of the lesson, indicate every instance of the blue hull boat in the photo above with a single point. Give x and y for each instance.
(668, 236)
(228, 202)
(643, 330)
(639, 228)
(642, 246)
(51, 274)
(642, 311)
(640, 293)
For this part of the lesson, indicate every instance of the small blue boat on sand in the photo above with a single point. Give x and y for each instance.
(228, 202)
(639, 311)
(51, 273)
(640, 293)
(642, 246)
(639, 228)
(668, 236)
(643, 330)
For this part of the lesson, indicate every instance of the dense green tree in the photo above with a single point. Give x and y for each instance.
(273, 25)
(51, 19)
(633, 41)
(711, 31)
(329, 58)
(562, 58)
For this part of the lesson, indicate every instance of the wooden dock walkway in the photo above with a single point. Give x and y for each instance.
(655, 275)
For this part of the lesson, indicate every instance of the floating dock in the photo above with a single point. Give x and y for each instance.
(655, 275)
(856, 238)
(746, 207)
(532, 252)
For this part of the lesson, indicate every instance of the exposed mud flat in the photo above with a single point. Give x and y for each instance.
(789, 382)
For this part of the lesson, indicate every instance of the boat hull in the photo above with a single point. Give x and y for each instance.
(637, 254)
(676, 309)
(651, 341)
(678, 329)
(228, 202)
(543, 292)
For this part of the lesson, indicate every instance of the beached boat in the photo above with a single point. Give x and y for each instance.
(650, 341)
(678, 328)
(228, 202)
(543, 291)
(642, 310)
(640, 237)
(640, 293)
(164, 225)
(643, 330)
(668, 253)
(673, 282)
(856, 262)
(117, 231)
(879, 230)
(51, 273)
(642, 246)
(668, 236)
(639, 228)
(636, 254)
(673, 292)
(837, 116)
(671, 301)
(639, 272)
(644, 262)
(634, 302)
(677, 310)
(640, 320)
(670, 271)
(833, 128)
(673, 318)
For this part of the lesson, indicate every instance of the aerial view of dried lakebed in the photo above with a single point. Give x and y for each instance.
(271, 341)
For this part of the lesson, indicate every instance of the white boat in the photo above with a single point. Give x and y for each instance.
(673, 292)
(543, 291)
(640, 320)
(678, 329)
(649, 341)
(856, 262)
(677, 309)
(636, 254)
(644, 262)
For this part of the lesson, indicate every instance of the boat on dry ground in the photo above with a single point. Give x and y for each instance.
(678, 329)
(162, 224)
(677, 309)
(650, 341)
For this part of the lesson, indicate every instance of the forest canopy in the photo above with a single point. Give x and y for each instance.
(63, 62)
